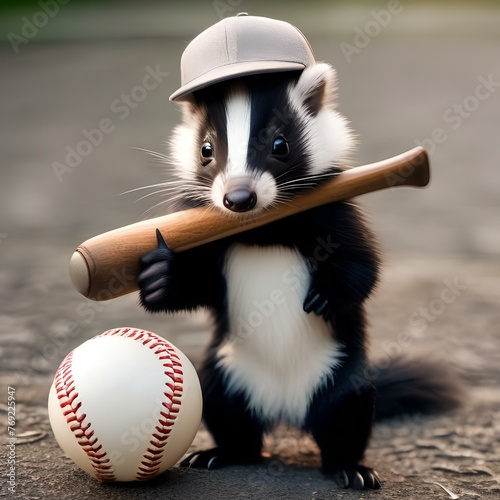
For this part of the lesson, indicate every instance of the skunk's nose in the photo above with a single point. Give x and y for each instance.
(240, 200)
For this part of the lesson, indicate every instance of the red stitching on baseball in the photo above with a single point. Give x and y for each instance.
(67, 396)
(151, 460)
(66, 393)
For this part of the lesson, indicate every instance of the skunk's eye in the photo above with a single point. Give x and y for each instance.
(280, 146)
(206, 152)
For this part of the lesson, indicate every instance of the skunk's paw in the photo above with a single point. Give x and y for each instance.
(214, 458)
(316, 302)
(357, 477)
(153, 277)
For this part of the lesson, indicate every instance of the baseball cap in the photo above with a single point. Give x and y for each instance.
(238, 46)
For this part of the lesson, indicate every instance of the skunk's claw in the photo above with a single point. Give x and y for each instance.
(316, 302)
(208, 459)
(162, 245)
(357, 477)
(215, 458)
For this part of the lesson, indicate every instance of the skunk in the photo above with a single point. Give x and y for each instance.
(289, 343)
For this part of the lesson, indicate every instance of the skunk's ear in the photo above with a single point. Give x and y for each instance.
(315, 88)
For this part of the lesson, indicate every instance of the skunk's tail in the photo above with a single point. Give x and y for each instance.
(408, 386)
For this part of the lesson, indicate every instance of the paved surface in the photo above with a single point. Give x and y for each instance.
(430, 75)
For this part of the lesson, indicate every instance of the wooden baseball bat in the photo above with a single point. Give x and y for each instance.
(106, 266)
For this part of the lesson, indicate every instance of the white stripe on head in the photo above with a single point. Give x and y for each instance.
(238, 112)
(236, 173)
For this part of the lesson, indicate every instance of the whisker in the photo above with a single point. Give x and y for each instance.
(142, 188)
(168, 190)
(150, 211)
(161, 156)
(171, 201)
(325, 175)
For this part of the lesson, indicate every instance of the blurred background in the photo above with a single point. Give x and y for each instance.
(75, 115)
(74, 110)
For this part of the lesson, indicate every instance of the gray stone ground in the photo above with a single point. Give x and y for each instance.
(420, 78)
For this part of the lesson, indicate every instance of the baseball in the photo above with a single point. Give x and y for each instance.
(125, 405)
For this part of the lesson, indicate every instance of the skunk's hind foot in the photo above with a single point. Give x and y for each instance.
(357, 477)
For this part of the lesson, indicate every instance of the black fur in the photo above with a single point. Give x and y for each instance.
(340, 416)
(406, 386)
(272, 116)
(342, 276)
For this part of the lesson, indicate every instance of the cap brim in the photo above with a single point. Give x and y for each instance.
(234, 70)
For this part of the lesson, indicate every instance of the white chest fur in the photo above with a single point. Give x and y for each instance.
(276, 353)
